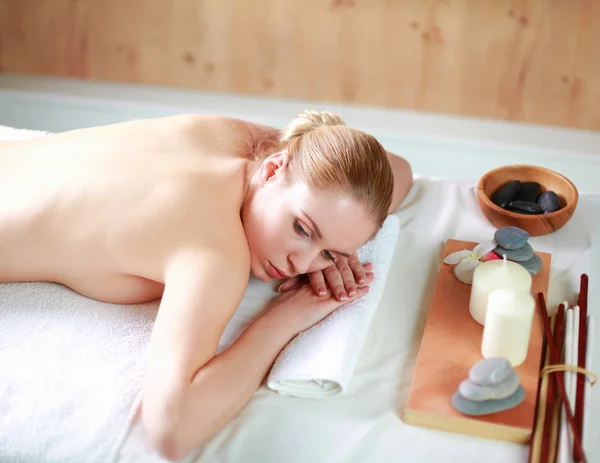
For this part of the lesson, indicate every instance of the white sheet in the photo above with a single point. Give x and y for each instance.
(365, 425)
(362, 425)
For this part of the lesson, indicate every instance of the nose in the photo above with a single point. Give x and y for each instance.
(301, 261)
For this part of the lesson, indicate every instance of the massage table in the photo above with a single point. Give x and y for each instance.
(72, 368)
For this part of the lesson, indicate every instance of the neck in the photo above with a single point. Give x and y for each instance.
(249, 186)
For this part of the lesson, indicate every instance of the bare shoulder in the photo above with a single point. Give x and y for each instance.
(227, 124)
(246, 135)
(215, 274)
(194, 132)
(227, 248)
(222, 248)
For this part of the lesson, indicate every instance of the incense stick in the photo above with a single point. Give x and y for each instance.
(573, 380)
(553, 403)
(558, 376)
(588, 383)
(581, 347)
(537, 442)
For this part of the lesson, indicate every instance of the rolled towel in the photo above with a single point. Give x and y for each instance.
(319, 362)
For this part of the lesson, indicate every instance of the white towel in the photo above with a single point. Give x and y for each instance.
(71, 369)
(319, 362)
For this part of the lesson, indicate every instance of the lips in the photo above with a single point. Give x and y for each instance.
(274, 272)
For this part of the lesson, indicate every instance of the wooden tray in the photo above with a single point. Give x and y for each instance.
(451, 345)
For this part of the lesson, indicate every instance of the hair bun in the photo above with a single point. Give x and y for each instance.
(307, 121)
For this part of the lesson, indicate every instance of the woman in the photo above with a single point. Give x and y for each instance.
(184, 208)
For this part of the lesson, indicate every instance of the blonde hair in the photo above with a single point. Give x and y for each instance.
(325, 153)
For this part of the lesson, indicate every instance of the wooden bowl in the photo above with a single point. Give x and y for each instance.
(535, 225)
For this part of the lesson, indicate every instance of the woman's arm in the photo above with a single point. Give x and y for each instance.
(190, 393)
(403, 178)
(202, 290)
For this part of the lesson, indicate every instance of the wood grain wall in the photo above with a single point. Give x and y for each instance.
(527, 60)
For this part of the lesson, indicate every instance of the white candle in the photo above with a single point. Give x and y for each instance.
(508, 323)
(491, 275)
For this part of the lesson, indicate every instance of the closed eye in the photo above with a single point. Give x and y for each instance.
(302, 232)
(300, 229)
(328, 255)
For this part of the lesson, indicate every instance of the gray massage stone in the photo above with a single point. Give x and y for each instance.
(549, 202)
(511, 237)
(469, 390)
(489, 372)
(487, 407)
(517, 255)
(533, 265)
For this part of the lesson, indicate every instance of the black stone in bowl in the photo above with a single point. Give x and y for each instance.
(534, 224)
(506, 193)
(524, 207)
(525, 198)
(529, 192)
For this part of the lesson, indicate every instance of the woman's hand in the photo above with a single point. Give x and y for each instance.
(298, 309)
(343, 278)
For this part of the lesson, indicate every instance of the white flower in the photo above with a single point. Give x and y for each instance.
(469, 260)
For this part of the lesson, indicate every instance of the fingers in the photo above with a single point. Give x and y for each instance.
(347, 276)
(332, 304)
(317, 281)
(302, 308)
(343, 279)
(359, 270)
(368, 267)
(336, 282)
(291, 283)
(344, 275)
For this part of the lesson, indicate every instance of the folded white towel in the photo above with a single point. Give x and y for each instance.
(319, 362)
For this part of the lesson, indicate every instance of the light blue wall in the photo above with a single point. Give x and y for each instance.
(437, 146)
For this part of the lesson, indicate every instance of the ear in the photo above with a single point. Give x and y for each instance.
(273, 166)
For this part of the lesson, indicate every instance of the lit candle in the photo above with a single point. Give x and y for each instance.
(508, 323)
(491, 275)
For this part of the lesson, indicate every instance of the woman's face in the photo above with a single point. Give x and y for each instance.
(293, 230)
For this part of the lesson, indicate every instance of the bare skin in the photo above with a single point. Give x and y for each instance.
(146, 209)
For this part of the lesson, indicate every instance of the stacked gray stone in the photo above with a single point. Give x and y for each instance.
(512, 243)
(493, 386)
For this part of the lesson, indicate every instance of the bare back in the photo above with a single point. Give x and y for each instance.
(101, 209)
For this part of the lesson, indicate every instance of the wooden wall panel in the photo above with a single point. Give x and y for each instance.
(527, 60)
